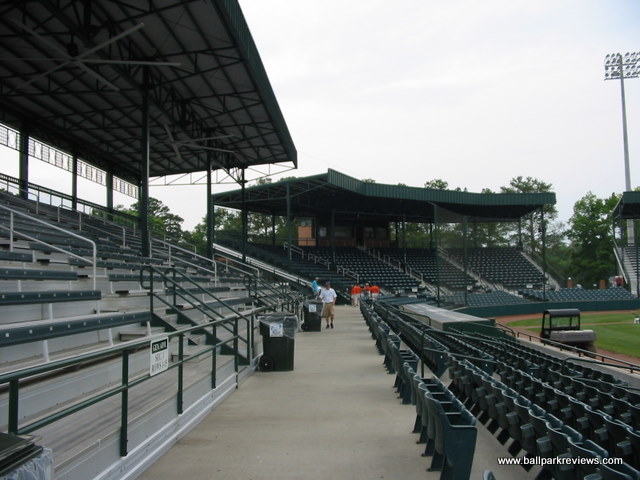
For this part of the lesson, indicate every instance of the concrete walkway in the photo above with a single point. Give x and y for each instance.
(336, 416)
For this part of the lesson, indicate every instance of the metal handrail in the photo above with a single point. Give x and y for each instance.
(178, 290)
(294, 248)
(12, 230)
(255, 263)
(14, 378)
(348, 273)
(620, 261)
(52, 193)
(252, 270)
(581, 352)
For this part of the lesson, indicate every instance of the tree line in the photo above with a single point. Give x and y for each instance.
(581, 249)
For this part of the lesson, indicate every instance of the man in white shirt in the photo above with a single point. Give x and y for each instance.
(328, 297)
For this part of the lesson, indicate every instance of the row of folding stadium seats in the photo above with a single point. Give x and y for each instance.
(611, 406)
(369, 268)
(604, 418)
(444, 424)
(578, 294)
(599, 390)
(505, 265)
(480, 299)
(537, 432)
(547, 363)
(446, 427)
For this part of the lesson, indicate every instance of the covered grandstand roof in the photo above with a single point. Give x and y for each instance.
(628, 206)
(75, 74)
(352, 197)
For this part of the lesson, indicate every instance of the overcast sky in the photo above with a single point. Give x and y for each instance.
(471, 92)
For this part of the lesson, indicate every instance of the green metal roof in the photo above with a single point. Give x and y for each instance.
(75, 75)
(349, 196)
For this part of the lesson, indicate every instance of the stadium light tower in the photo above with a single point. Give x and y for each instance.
(619, 67)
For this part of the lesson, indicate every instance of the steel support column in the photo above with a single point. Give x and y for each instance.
(24, 164)
(110, 194)
(332, 238)
(245, 216)
(465, 257)
(543, 227)
(143, 201)
(404, 239)
(637, 264)
(74, 182)
(210, 216)
(289, 231)
(273, 227)
(436, 232)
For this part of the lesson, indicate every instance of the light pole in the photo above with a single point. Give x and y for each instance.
(618, 66)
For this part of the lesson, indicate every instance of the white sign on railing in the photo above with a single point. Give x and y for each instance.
(159, 352)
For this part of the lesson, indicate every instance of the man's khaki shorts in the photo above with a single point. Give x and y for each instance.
(328, 309)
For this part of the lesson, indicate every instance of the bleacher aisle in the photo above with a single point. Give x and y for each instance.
(335, 416)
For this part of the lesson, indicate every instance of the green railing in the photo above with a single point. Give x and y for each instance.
(13, 380)
(173, 280)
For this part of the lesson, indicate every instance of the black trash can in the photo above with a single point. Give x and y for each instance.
(278, 332)
(312, 316)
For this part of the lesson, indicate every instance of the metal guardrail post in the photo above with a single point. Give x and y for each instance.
(214, 360)
(14, 386)
(236, 352)
(175, 285)
(124, 408)
(251, 336)
(11, 231)
(180, 373)
(422, 334)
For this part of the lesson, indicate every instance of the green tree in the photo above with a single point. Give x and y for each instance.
(591, 236)
(436, 184)
(161, 221)
(532, 222)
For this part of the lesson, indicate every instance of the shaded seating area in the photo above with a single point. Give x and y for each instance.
(433, 268)
(366, 267)
(507, 266)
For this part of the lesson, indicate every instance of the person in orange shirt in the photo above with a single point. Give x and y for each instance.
(375, 292)
(356, 291)
(367, 290)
